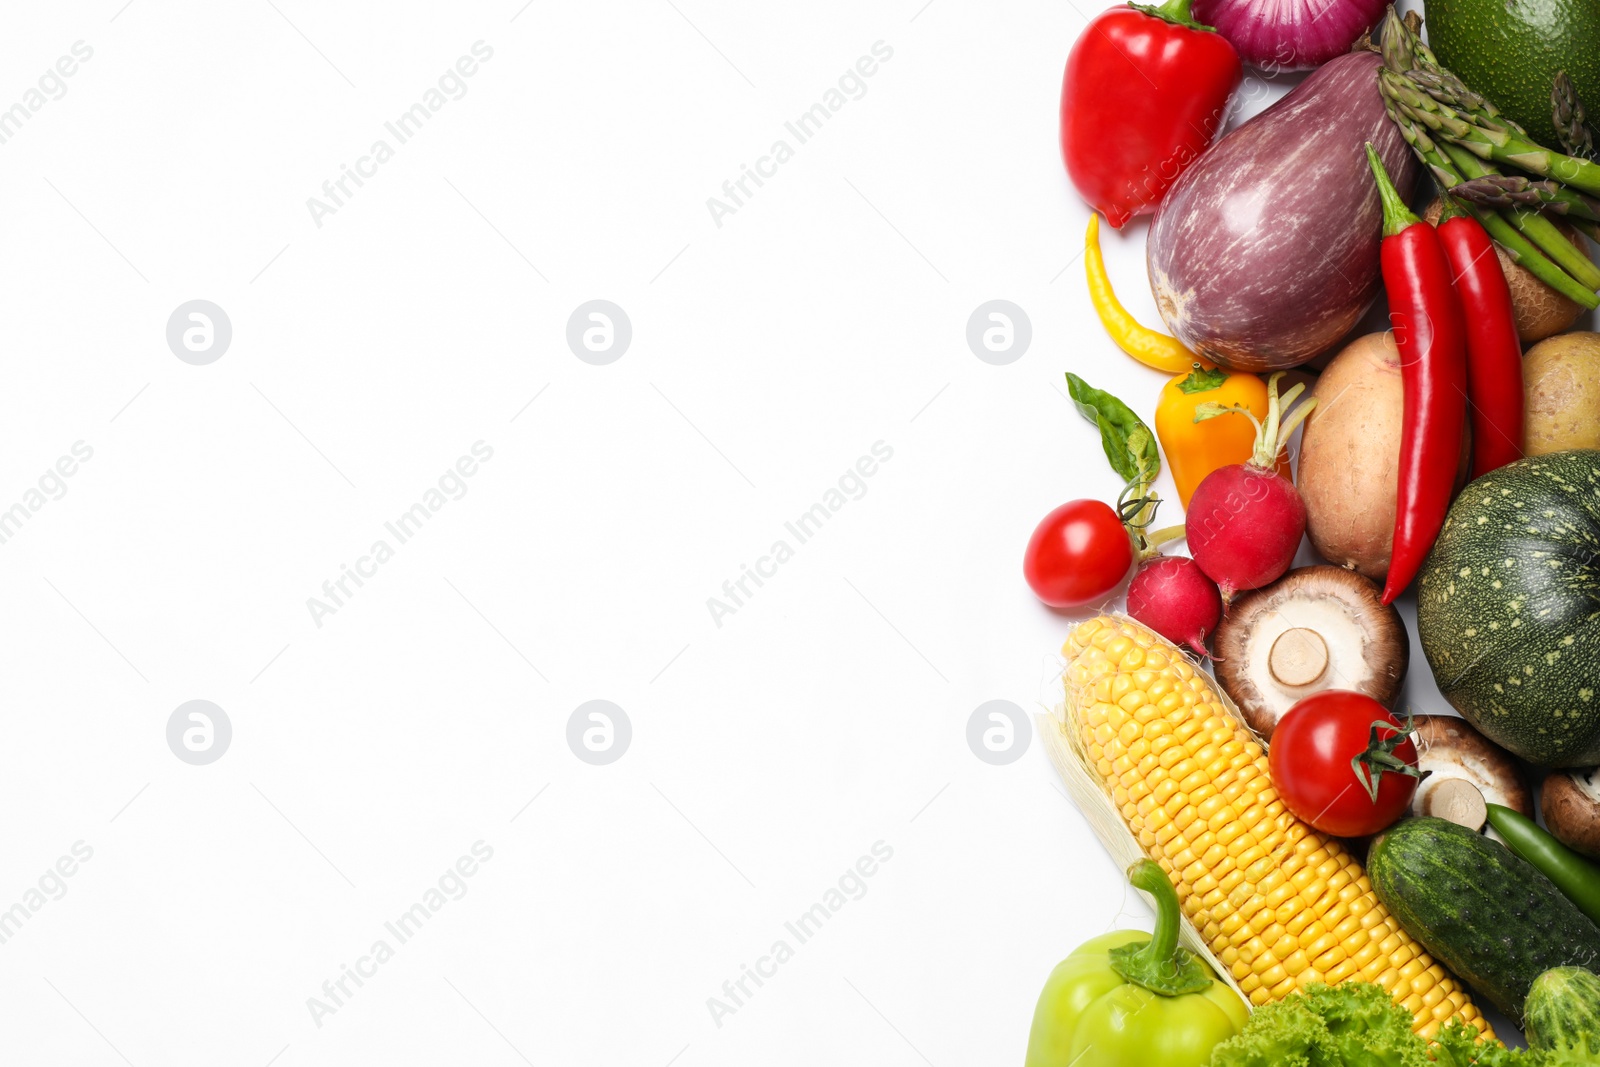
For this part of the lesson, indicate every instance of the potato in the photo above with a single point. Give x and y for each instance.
(1350, 456)
(1561, 389)
(1349, 468)
(1540, 311)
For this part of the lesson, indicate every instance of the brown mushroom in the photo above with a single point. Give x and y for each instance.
(1465, 771)
(1571, 802)
(1315, 628)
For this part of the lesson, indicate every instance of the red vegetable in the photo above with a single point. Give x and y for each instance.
(1245, 520)
(1280, 35)
(1078, 554)
(1146, 89)
(1430, 333)
(1343, 764)
(1494, 353)
(1173, 597)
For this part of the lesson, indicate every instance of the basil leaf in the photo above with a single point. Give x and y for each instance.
(1129, 445)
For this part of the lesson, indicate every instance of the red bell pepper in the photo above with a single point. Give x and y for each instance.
(1430, 332)
(1145, 91)
(1494, 352)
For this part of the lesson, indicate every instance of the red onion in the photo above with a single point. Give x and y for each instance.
(1274, 35)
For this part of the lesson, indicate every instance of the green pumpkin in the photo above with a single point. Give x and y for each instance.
(1508, 607)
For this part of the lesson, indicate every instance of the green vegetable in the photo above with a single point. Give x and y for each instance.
(1129, 444)
(1133, 453)
(1127, 999)
(1563, 1013)
(1498, 142)
(1511, 52)
(1506, 607)
(1513, 190)
(1518, 247)
(1415, 82)
(1572, 874)
(1571, 122)
(1457, 1045)
(1487, 915)
(1353, 1024)
(1538, 229)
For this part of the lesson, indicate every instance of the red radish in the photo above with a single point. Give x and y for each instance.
(1245, 520)
(1173, 597)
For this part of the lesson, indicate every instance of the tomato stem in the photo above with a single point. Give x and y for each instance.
(1136, 507)
(1379, 756)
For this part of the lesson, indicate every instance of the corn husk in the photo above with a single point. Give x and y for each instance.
(1064, 746)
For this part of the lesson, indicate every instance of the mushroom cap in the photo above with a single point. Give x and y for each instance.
(1456, 753)
(1571, 802)
(1316, 628)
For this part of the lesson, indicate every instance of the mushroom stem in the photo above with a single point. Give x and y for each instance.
(1459, 801)
(1298, 657)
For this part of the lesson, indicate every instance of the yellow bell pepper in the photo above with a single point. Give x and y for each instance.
(1154, 350)
(1195, 449)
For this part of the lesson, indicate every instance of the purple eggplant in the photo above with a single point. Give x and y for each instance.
(1264, 253)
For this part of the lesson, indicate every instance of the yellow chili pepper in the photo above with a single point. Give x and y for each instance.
(1195, 449)
(1155, 350)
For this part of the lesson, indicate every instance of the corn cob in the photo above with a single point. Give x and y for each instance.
(1280, 905)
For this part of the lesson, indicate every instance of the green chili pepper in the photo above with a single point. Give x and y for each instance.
(1128, 999)
(1576, 877)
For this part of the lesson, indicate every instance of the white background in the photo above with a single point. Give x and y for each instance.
(769, 354)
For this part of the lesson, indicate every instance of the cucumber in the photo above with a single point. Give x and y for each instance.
(1563, 1011)
(1489, 916)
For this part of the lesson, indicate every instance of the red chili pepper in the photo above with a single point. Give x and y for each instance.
(1494, 352)
(1430, 333)
(1146, 89)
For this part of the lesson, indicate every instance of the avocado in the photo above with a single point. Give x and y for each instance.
(1511, 50)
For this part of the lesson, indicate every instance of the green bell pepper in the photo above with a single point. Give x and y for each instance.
(1130, 999)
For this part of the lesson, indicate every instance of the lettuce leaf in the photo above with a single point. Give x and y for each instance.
(1357, 1024)
(1458, 1047)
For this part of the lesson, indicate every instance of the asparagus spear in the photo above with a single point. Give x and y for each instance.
(1405, 53)
(1572, 125)
(1486, 139)
(1513, 190)
(1399, 47)
(1408, 100)
(1412, 61)
(1518, 247)
(1538, 229)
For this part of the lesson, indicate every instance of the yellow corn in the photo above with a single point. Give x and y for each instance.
(1279, 904)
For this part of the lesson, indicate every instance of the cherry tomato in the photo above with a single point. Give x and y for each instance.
(1314, 747)
(1078, 554)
